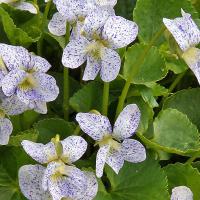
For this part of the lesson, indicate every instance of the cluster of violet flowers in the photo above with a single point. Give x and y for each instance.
(96, 34)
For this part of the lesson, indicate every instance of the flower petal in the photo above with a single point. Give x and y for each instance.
(181, 193)
(127, 122)
(119, 32)
(76, 31)
(6, 129)
(40, 107)
(30, 182)
(110, 65)
(39, 64)
(26, 6)
(133, 151)
(57, 25)
(115, 160)
(92, 69)
(184, 30)
(101, 159)
(74, 54)
(11, 81)
(14, 57)
(96, 126)
(40, 152)
(106, 2)
(74, 147)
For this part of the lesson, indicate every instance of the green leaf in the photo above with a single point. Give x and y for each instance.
(134, 181)
(183, 175)
(153, 65)
(16, 140)
(16, 35)
(148, 14)
(187, 102)
(48, 128)
(174, 130)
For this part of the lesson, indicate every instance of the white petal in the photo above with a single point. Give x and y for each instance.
(106, 2)
(74, 147)
(74, 54)
(6, 129)
(39, 107)
(26, 6)
(115, 160)
(127, 122)
(133, 151)
(30, 182)
(184, 30)
(101, 160)
(96, 126)
(92, 69)
(14, 57)
(40, 152)
(119, 32)
(57, 25)
(76, 31)
(110, 65)
(181, 193)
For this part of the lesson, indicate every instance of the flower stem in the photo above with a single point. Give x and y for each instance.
(105, 98)
(135, 70)
(44, 19)
(66, 80)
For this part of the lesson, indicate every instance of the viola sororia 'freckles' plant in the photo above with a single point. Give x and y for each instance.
(125, 125)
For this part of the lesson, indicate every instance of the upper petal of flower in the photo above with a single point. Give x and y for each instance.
(119, 32)
(110, 64)
(74, 54)
(127, 122)
(26, 6)
(181, 193)
(184, 30)
(14, 57)
(40, 152)
(102, 155)
(133, 151)
(96, 126)
(6, 129)
(30, 182)
(73, 148)
(106, 2)
(57, 25)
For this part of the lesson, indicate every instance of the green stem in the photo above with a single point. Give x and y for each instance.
(66, 80)
(135, 69)
(193, 158)
(44, 19)
(77, 130)
(105, 98)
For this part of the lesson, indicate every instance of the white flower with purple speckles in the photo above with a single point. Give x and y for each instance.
(27, 76)
(187, 35)
(59, 179)
(115, 147)
(100, 53)
(181, 193)
(21, 5)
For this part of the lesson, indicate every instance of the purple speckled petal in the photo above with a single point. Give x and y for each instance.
(11, 81)
(39, 64)
(73, 148)
(40, 152)
(26, 6)
(106, 2)
(119, 32)
(40, 107)
(115, 160)
(76, 31)
(102, 155)
(133, 151)
(127, 122)
(92, 187)
(181, 193)
(12, 105)
(184, 30)
(92, 69)
(74, 53)
(6, 129)
(30, 182)
(96, 126)
(110, 65)
(14, 57)
(57, 25)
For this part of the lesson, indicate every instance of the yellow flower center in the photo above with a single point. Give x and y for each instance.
(28, 83)
(2, 113)
(190, 56)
